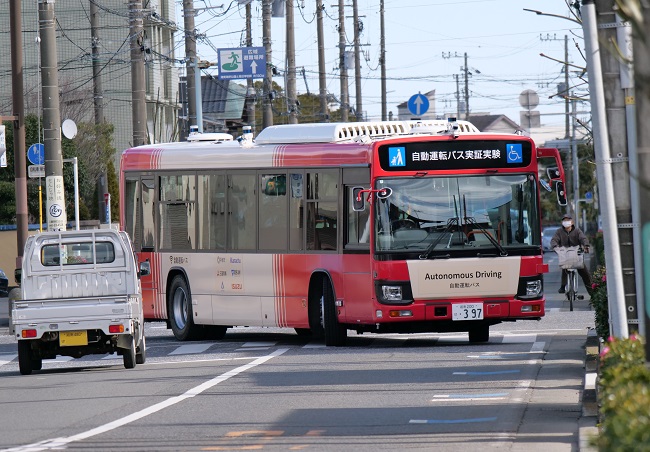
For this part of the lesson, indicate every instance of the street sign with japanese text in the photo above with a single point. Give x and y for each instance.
(241, 63)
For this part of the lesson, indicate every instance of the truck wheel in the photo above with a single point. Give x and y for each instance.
(128, 355)
(180, 311)
(141, 353)
(25, 357)
(335, 333)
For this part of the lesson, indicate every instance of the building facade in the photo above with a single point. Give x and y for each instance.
(75, 65)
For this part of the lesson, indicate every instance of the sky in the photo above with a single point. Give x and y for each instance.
(425, 44)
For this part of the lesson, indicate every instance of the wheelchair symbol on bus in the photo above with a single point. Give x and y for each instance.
(514, 153)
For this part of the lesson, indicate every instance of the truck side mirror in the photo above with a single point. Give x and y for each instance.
(561, 193)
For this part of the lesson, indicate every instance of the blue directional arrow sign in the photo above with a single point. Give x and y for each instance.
(242, 62)
(36, 154)
(418, 104)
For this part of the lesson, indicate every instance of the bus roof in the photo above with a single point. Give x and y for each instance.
(354, 131)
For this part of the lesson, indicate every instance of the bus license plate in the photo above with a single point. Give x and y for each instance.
(71, 338)
(467, 311)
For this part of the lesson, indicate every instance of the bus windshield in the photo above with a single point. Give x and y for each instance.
(443, 216)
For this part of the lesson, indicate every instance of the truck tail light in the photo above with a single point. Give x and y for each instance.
(116, 328)
(29, 333)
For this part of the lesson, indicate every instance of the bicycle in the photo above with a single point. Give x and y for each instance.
(571, 259)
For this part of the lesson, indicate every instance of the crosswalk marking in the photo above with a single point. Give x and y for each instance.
(190, 349)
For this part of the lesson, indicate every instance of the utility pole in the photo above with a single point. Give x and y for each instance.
(20, 170)
(357, 60)
(55, 193)
(190, 62)
(267, 108)
(457, 96)
(250, 89)
(345, 101)
(615, 288)
(565, 93)
(139, 106)
(322, 81)
(618, 82)
(98, 98)
(641, 46)
(382, 59)
(466, 89)
(291, 65)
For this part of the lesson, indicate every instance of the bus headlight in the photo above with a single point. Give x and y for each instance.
(533, 289)
(392, 293)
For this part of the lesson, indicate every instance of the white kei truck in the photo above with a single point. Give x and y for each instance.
(80, 295)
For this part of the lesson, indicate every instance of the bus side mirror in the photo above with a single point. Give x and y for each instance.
(358, 203)
(553, 173)
(561, 193)
(145, 268)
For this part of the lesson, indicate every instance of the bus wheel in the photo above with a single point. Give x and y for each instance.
(25, 362)
(335, 333)
(180, 311)
(479, 334)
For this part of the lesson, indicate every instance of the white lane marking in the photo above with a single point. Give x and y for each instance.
(60, 443)
(252, 349)
(518, 338)
(452, 421)
(538, 346)
(314, 346)
(191, 348)
(259, 344)
(112, 356)
(524, 384)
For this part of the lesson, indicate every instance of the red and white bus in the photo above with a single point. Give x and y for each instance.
(387, 227)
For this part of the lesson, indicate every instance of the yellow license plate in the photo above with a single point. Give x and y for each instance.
(70, 338)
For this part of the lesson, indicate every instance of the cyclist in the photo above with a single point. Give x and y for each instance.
(571, 235)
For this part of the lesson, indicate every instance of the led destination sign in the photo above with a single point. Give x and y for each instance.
(450, 155)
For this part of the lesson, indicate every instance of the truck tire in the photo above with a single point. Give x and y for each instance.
(128, 355)
(141, 352)
(25, 363)
(180, 311)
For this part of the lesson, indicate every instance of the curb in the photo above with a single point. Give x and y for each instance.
(588, 424)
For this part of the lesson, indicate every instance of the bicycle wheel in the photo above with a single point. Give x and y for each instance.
(572, 289)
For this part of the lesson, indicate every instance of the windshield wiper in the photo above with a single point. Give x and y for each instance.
(427, 253)
(492, 240)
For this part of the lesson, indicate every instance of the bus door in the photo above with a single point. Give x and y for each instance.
(153, 306)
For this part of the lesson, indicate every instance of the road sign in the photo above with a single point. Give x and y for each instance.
(242, 62)
(418, 104)
(589, 197)
(36, 171)
(36, 154)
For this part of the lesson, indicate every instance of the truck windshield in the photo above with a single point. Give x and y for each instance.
(440, 215)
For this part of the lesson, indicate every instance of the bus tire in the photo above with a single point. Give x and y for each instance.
(25, 364)
(335, 333)
(303, 332)
(180, 311)
(479, 334)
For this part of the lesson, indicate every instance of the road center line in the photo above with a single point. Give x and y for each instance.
(58, 443)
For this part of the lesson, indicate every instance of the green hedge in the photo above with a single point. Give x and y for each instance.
(624, 397)
(598, 301)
